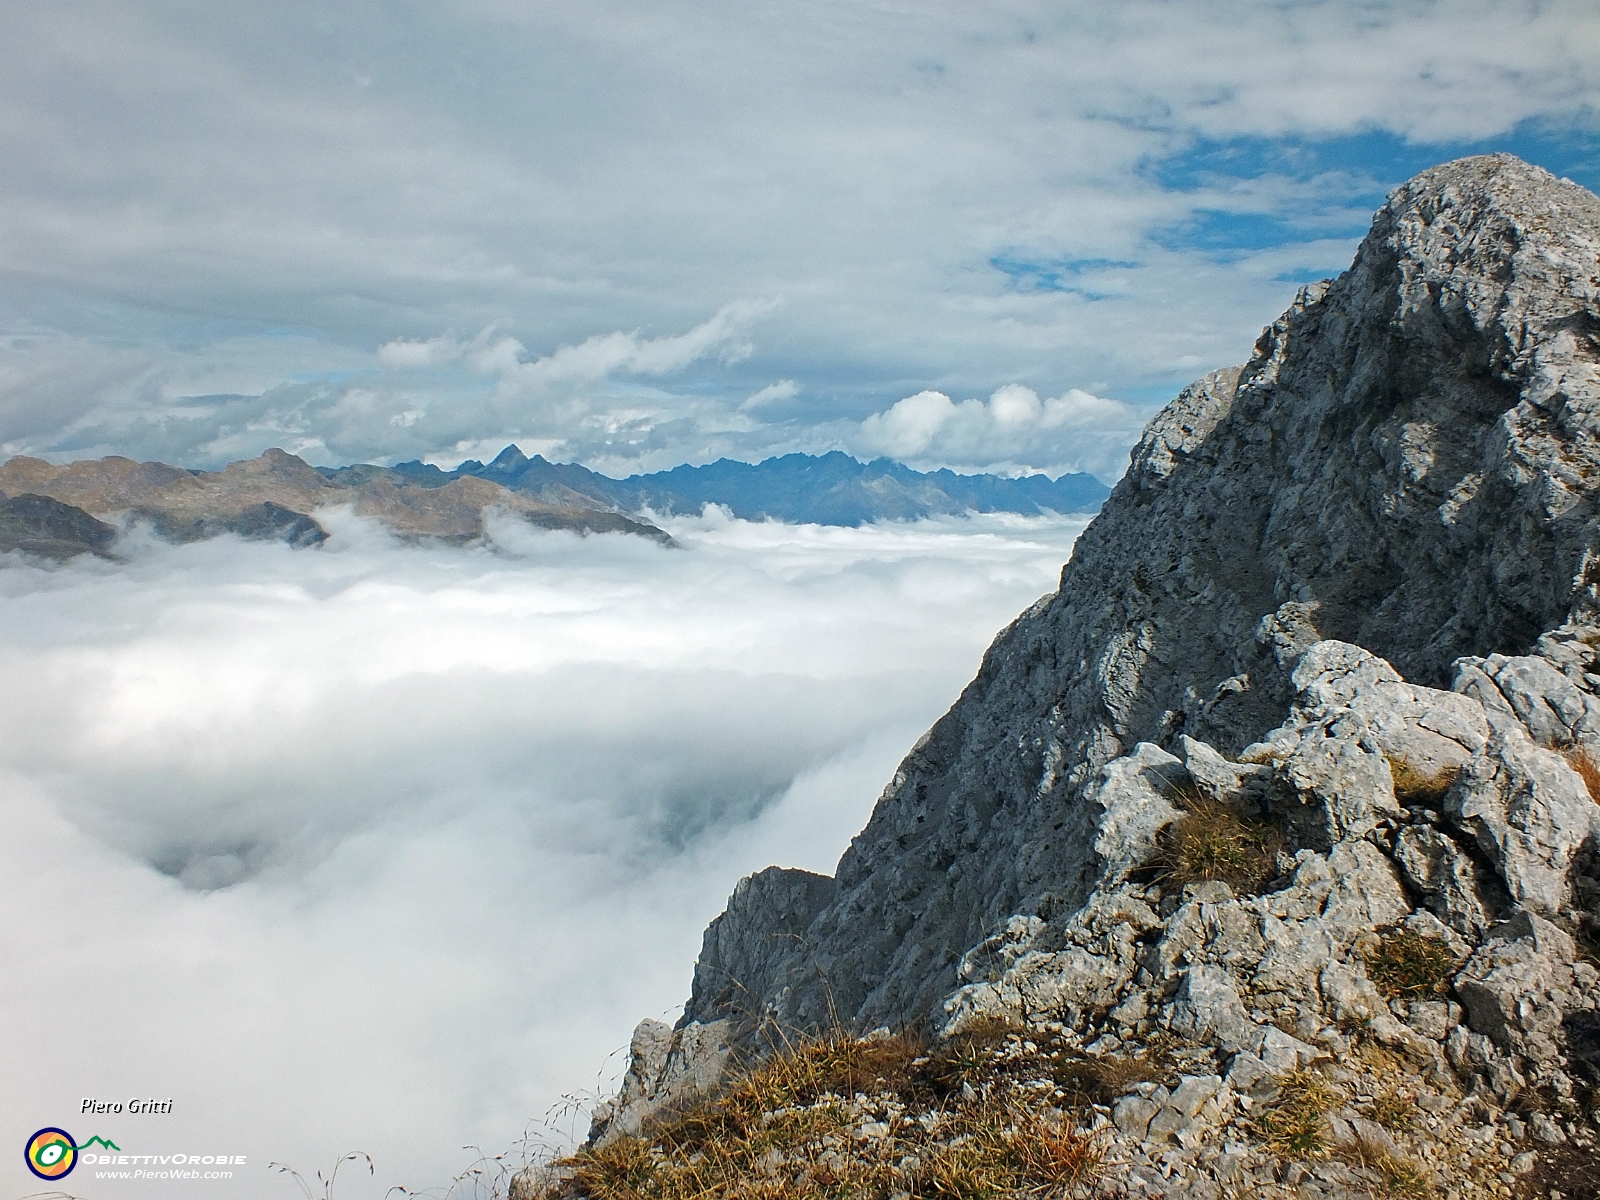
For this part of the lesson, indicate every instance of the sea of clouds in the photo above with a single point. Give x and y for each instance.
(385, 847)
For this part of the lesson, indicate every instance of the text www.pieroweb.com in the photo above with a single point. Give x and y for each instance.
(163, 1167)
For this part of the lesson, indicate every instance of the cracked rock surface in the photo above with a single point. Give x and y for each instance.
(1347, 592)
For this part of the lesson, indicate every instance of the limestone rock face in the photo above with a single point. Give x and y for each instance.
(747, 951)
(665, 1066)
(1408, 463)
(1517, 986)
(1396, 493)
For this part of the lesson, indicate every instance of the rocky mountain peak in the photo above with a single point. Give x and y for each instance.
(1345, 597)
(509, 459)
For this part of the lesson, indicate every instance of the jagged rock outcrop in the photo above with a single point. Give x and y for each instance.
(1348, 591)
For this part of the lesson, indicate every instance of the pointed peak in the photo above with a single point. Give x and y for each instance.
(511, 456)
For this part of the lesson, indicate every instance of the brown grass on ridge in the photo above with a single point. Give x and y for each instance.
(1212, 841)
(792, 1128)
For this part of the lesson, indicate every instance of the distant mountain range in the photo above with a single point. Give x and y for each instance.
(54, 511)
(828, 489)
(59, 511)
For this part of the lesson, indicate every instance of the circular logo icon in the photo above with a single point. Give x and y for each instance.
(51, 1154)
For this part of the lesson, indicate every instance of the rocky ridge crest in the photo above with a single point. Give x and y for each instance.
(1345, 593)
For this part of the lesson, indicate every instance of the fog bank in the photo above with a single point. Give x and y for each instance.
(386, 848)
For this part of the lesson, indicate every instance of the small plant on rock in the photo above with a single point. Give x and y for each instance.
(1212, 841)
(1393, 1110)
(1293, 1124)
(1408, 966)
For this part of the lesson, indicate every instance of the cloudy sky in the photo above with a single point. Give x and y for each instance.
(636, 234)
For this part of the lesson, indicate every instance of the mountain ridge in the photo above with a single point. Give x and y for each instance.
(1345, 603)
(828, 489)
(270, 498)
(273, 497)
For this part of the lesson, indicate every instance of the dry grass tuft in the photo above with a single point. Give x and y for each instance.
(1293, 1123)
(1214, 842)
(996, 1151)
(825, 1119)
(1411, 967)
(1402, 1178)
(1394, 1110)
(965, 1059)
(1587, 770)
(1103, 1080)
(1413, 786)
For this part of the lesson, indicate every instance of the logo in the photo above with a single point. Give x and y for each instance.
(51, 1153)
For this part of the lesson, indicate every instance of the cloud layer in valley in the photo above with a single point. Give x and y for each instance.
(430, 230)
(385, 848)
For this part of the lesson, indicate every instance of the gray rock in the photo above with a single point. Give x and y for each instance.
(1059, 985)
(1193, 1093)
(1530, 812)
(1247, 784)
(1404, 475)
(1545, 1130)
(1209, 1009)
(1517, 985)
(1352, 717)
(1131, 793)
(1555, 707)
(756, 949)
(1333, 902)
(1430, 1019)
(1248, 1074)
(1132, 1115)
(665, 1067)
(1169, 1124)
(1435, 864)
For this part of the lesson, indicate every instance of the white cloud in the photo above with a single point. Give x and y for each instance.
(723, 335)
(473, 808)
(247, 204)
(1013, 428)
(404, 355)
(597, 357)
(784, 389)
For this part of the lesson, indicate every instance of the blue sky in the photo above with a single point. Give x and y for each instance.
(638, 234)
